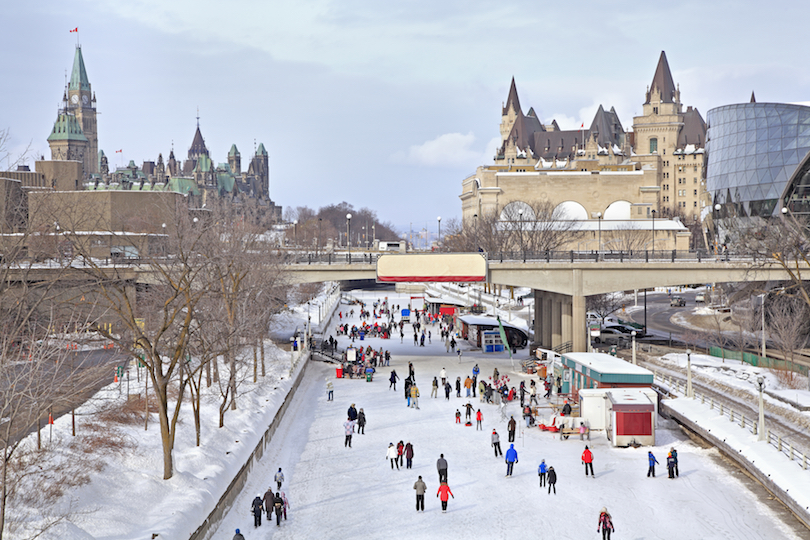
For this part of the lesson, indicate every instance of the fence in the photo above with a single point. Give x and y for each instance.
(739, 418)
(758, 361)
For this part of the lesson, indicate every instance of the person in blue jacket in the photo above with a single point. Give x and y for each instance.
(653, 462)
(511, 459)
(541, 472)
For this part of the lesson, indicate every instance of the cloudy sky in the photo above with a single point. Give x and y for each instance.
(386, 105)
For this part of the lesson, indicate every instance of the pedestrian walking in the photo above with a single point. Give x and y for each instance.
(511, 427)
(434, 388)
(542, 470)
(393, 380)
(496, 443)
(400, 451)
(420, 488)
(238, 535)
(408, 455)
(442, 494)
(443, 375)
(458, 386)
(468, 385)
(511, 459)
(587, 459)
(268, 499)
(441, 466)
(675, 457)
(605, 524)
(653, 462)
(411, 372)
(257, 506)
(361, 423)
(286, 504)
(278, 506)
(330, 390)
(447, 390)
(414, 396)
(279, 478)
(671, 464)
(479, 418)
(458, 416)
(348, 426)
(352, 414)
(391, 454)
(552, 480)
(583, 430)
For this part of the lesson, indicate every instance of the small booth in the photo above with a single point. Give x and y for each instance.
(599, 370)
(630, 418)
(472, 328)
(492, 341)
(594, 404)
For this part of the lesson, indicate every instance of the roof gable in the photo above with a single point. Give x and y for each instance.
(662, 80)
(78, 77)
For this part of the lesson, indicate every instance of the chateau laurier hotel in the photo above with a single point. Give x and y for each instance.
(601, 176)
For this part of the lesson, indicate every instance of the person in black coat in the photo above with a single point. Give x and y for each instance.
(257, 506)
(278, 506)
(511, 426)
(552, 480)
(361, 422)
(447, 390)
(352, 414)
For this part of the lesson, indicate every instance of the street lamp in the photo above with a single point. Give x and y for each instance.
(762, 309)
(717, 209)
(689, 392)
(761, 433)
(373, 234)
(633, 335)
(653, 232)
(348, 234)
(318, 247)
(599, 249)
(439, 241)
(295, 232)
(520, 217)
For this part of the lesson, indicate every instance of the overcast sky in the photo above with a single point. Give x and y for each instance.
(384, 105)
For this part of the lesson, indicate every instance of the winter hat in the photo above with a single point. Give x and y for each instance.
(586, 447)
(390, 444)
(237, 531)
(542, 460)
(604, 510)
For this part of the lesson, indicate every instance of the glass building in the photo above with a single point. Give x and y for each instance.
(758, 158)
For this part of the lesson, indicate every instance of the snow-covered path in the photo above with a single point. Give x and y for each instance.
(337, 492)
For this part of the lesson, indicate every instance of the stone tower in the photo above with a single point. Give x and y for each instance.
(81, 103)
(260, 168)
(67, 141)
(235, 160)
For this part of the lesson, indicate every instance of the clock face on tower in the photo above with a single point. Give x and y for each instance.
(85, 100)
(74, 98)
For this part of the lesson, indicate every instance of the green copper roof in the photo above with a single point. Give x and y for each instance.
(261, 151)
(183, 185)
(225, 182)
(204, 164)
(78, 77)
(233, 151)
(66, 128)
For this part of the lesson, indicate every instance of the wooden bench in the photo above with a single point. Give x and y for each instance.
(567, 432)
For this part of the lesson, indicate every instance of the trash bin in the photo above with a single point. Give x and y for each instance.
(368, 377)
(362, 336)
(339, 372)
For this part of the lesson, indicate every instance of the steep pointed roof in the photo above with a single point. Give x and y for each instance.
(78, 77)
(753, 98)
(233, 151)
(693, 130)
(261, 151)
(197, 145)
(512, 101)
(662, 80)
(66, 128)
(608, 126)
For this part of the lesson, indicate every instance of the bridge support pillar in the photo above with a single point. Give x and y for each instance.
(553, 319)
(556, 320)
(579, 343)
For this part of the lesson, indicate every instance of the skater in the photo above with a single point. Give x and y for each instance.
(447, 390)
(511, 459)
(278, 506)
(496, 443)
(409, 455)
(349, 428)
(479, 418)
(330, 390)
(361, 424)
(468, 412)
(420, 488)
(559, 386)
(587, 459)
(675, 457)
(238, 535)
(653, 462)
(552, 480)
(468, 385)
(408, 384)
(258, 506)
(605, 524)
(400, 451)
(443, 375)
(434, 392)
(286, 504)
(441, 466)
(542, 470)
(444, 491)
(352, 415)
(411, 373)
(414, 396)
(392, 455)
(458, 416)
(458, 386)
(393, 380)
(511, 426)
(279, 478)
(533, 394)
(672, 464)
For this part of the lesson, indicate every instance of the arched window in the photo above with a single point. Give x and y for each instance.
(653, 146)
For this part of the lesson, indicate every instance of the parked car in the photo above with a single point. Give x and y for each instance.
(612, 334)
(626, 329)
(700, 298)
(677, 301)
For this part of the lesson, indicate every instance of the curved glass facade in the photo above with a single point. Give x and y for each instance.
(753, 151)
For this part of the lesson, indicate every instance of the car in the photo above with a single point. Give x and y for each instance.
(700, 298)
(677, 301)
(612, 334)
(627, 329)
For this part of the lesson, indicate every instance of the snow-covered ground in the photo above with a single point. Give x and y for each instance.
(337, 492)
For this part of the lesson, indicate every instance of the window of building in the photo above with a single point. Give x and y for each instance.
(695, 204)
(695, 192)
(653, 146)
(655, 110)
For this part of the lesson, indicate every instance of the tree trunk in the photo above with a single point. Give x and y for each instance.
(232, 376)
(255, 365)
(4, 493)
(161, 392)
(261, 349)
(208, 374)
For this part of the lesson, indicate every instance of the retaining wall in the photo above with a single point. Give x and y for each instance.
(801, 513)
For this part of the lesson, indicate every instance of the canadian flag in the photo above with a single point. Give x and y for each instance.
(582, 126)
(75, 30)
(119, 151)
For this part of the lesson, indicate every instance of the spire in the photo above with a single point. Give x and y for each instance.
(753, 98)
(512, 100)
(197, 145)
(233, 151)
(662, 80)
(78, 77)
(261, 151)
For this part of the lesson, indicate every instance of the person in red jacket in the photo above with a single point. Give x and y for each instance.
(605, 524)
(444, 491)
(587, 459)
(479, 417)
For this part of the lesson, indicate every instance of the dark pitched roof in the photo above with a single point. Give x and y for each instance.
(662, 80)
(197, 146)
(557, 144)
(753, 99)
(512, 100)
(693, 130)
(608, 126)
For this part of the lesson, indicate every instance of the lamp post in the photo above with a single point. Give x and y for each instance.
(520, 218)
(761, 433)
(373, 234)
(633, 334)
(689, 392)
(653, 232)
(295, 232)
(318, 247)
(762, 309)
(717, 208)
(439, 240)
(348, 234)
(599, 248)
(475, 227)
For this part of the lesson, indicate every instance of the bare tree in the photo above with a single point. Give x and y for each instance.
(787, 326)
(604, 304)
(630, 238)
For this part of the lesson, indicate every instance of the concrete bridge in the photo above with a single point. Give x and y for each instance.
(561, 286)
